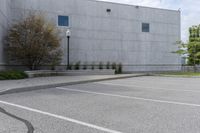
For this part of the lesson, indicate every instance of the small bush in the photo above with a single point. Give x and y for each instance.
(114, 66)
(2, 78)
(108, 65)
(92, 66)
(12, 74)
(85, 66)
(77, 65)
(119, 69)
(100, 65)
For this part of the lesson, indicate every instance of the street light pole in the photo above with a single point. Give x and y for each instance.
(68, 34)
(68, 37)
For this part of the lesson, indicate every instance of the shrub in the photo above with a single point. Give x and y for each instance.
(77, 65)
(2, 78)
(119, 69)
(12, 74)
(108, 65)
(92, 66)
(100, 65)
(85, 66)
(114, 66)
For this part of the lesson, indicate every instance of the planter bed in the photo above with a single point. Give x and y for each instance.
(45, 73)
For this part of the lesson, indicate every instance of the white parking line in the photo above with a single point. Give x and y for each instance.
(130, 97)
(61, 117)
(161, 82)
(144, 87)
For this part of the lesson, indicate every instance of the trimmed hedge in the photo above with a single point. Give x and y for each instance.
(12, 74)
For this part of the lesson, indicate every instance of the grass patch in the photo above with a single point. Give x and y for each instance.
(189, 74)
(12, 74)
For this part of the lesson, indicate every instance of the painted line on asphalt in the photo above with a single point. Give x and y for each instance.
(162, 82)
(143, 87)
(61, 117)
(130, 97)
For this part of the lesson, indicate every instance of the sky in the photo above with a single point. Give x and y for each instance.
(190, 11)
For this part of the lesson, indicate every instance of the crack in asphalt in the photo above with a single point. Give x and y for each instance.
(27, 123)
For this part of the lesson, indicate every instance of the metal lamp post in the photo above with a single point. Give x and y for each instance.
(68, 34)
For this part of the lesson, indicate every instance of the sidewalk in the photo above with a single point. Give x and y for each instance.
(13, 86)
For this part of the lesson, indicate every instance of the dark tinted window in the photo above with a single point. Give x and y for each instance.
(145, 27)
(63, 21)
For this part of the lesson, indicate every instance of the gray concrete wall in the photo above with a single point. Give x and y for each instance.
(4, 23)
(116, 36)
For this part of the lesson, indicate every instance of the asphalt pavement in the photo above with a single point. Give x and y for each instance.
(134, 105)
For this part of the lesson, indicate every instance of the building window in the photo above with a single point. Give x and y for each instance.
(63, 21)
(145, 27)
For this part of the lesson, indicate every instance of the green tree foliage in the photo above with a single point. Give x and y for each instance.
(194, 45)
(34, 42)
(194, 53)
(194, 33)
(183, 48)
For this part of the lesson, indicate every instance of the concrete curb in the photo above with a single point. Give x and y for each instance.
(24, 89)
(174, 76)
(40, 73)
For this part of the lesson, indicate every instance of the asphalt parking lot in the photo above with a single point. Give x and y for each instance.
(134, 105)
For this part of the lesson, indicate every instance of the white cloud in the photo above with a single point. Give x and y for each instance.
(189, 8)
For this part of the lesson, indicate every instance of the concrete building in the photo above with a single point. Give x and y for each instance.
(141, 38)
(5, 14)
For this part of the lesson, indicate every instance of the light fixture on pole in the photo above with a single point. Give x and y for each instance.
(68, 35)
